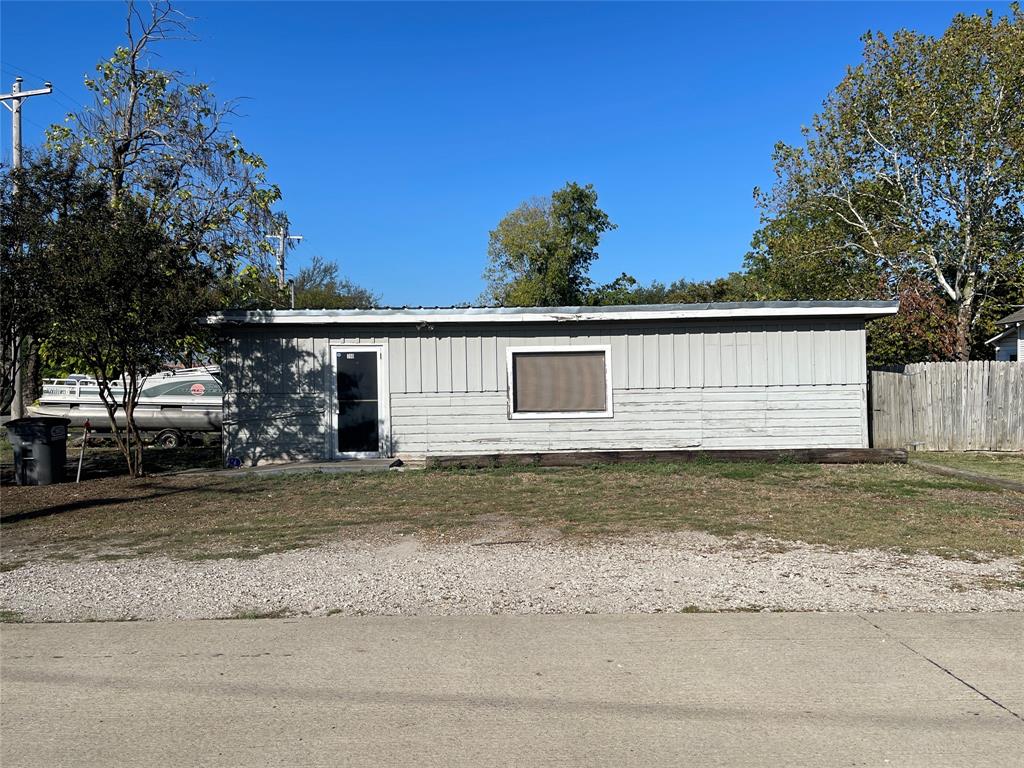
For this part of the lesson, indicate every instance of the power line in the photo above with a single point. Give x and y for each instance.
(14, 69)
(30, 121)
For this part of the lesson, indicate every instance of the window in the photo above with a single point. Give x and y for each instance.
(559, 382)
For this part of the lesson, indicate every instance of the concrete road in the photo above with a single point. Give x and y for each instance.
(725, 689)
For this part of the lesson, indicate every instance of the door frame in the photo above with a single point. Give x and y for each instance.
(383, 402)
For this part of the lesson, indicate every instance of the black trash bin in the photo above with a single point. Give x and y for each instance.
(40, 446)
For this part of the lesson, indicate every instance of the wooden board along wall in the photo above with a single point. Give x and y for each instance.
(588, 458)
(957, 406)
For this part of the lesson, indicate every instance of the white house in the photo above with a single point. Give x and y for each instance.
(329, 384)
(1009, 343)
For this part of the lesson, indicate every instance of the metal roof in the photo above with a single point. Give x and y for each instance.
(438, 315)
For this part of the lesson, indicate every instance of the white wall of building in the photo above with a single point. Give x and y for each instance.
(676, 384)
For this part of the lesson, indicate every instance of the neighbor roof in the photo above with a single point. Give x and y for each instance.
(1001, 335)
(438, 315)
(1016, 317)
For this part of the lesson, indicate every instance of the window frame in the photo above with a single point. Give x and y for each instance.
(510, 354)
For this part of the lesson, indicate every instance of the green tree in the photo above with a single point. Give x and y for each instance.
(913, 171)
(123, 301)
(626, 290)
(163, 140)
(793, 257)
(1004, 298)
(733, 287)
(540, 253)
(250, 288)
(318, 286)
(44, 190)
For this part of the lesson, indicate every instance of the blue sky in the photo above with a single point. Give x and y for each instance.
(400, 134)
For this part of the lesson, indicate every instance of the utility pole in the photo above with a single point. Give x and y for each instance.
(282, 238)
(15, 97)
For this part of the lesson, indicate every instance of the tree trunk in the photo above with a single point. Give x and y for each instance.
(129, 442)
(134, 441)
(10, 354)
(133, 437)
(31, 383)
(965, 322)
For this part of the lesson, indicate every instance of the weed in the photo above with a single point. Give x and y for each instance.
(245, 613)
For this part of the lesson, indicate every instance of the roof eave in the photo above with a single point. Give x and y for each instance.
(348, 317)
(1007, 332)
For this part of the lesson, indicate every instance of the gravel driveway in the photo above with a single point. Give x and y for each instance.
(403, 575)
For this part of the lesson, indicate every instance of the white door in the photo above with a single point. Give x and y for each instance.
(360, 402)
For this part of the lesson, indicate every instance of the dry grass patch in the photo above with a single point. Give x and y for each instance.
(238, 515)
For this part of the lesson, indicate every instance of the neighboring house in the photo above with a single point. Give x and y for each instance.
(326, 384)
(1009, 345)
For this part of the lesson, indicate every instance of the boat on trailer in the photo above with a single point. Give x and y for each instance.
(173, 405)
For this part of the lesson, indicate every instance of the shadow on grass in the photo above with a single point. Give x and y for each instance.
(103, 462)
(75, 506)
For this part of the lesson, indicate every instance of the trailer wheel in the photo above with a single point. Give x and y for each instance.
(170, 438)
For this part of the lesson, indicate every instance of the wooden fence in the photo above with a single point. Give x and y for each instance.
(976, 406)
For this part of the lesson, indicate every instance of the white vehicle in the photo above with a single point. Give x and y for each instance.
(172, 404)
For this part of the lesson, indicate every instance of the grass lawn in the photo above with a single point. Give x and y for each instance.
(228, 514)
(1009, 466)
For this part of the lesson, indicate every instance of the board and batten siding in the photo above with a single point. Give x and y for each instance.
(676, 384)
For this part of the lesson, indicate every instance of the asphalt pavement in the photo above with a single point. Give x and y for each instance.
(692, 689)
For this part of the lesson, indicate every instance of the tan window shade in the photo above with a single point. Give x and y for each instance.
(551, 382)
